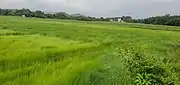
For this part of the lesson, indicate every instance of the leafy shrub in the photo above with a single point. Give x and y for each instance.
(149, 70)
(144, 79)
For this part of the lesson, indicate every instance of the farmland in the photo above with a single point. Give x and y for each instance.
(37, 51)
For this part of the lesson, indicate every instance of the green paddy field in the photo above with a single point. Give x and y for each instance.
(67, 52)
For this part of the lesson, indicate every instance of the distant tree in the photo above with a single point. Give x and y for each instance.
(127, 18)
(61, 15)
(5, 12)
(1, 11)
(38, 14)
(167, 15)
(49, 15)
(26, 12)
(161, 20)
(101, 19)
(12, 12)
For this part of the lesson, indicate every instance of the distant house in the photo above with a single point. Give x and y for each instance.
(111, 20)
(23, 16)
(116, 20)
(119, 20)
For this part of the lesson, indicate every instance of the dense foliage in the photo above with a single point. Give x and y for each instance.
(161, 20)
(41, 14)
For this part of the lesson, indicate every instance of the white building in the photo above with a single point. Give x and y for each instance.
(111, 20)
(119, 20)
(23, 16)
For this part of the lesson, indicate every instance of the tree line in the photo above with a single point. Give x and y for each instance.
(41, 14)
(158, 20)
(57, 15)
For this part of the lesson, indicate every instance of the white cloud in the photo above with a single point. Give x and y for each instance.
(51, 2)
(164, 1)
(12, 1)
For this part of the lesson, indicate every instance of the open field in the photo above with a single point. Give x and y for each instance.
(63, 52)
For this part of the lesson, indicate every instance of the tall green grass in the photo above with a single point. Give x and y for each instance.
(62, 52)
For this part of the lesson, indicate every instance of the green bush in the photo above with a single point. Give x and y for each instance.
(147, 69)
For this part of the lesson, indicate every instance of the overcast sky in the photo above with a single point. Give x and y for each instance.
(135, 8)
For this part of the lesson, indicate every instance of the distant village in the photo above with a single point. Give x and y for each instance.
(118, 20)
